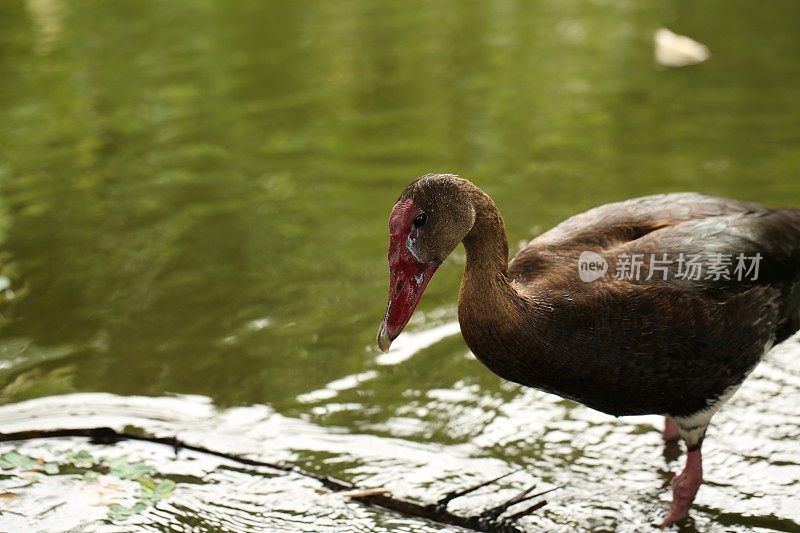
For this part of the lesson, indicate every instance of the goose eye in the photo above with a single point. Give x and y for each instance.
(420, 220)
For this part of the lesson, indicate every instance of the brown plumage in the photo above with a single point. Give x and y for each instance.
(665, 345)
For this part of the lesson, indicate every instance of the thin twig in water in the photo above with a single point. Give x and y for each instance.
(379, 498)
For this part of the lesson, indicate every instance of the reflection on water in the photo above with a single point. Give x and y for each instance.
(612, 473)
(193, 204)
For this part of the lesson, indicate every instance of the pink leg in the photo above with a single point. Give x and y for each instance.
(670, 432)
(684, 488)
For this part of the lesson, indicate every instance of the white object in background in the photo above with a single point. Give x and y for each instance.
(673, 50)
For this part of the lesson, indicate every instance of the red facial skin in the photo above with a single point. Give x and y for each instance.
(408, 276)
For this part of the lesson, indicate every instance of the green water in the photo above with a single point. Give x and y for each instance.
(193, 204)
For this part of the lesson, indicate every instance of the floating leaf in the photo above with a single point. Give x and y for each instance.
(50, 468)
(155, 491)
(148, 484)
(165, 488)
(121, 468)
(14, 459)
(80, 459)
(120, 512)
(7, 495)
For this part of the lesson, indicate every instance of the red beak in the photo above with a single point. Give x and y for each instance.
(408, 276)
(407, 281)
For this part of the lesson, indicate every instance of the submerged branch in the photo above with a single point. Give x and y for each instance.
(376, 497)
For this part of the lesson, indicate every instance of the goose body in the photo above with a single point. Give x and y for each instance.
(649, 341)
(638, 346)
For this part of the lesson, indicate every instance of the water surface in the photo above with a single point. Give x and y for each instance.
(193, 205)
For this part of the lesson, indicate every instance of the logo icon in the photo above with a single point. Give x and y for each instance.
(591, 266)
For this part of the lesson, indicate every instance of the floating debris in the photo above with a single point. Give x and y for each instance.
(673, 50)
